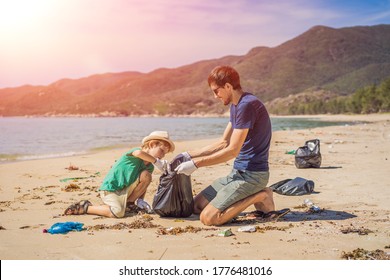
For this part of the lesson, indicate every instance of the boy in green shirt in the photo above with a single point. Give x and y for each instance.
(129, 178)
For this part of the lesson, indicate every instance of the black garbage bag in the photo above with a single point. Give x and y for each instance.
(296, 186)
(174, 193)
(309, 155)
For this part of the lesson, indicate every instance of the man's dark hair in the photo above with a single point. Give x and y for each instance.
(221, 75)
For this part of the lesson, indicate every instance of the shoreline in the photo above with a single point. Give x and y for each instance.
(10, 158)
(352, 188)
(114, 115)
(224, 115)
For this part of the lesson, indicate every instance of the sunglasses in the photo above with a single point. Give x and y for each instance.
(216, 90)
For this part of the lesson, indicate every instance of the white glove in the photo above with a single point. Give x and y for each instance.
(144, 205)
(186, 168)
(161, 165)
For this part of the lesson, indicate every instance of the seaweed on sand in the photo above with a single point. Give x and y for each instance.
(362, 254)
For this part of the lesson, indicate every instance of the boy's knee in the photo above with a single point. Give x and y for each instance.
(145, 176)
(117, 212)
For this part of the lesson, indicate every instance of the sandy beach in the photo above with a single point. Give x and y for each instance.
(352, 188)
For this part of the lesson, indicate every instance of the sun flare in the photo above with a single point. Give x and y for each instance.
(19, 14)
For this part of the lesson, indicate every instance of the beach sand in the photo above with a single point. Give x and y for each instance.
(352, 188)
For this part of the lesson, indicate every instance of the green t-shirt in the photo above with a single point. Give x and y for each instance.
(125, 172)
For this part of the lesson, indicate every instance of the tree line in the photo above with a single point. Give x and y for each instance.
(367, 100)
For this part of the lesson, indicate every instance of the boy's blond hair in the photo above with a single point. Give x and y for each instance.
(153, 143)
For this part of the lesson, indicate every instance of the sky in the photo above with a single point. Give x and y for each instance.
(43, 41)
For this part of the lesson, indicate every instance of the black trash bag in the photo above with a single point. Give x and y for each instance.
(296, 186)
(174, 193)
(308, 155)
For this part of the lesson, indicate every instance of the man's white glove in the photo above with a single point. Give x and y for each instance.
(161, 165)
(144, 205)
(186, 168)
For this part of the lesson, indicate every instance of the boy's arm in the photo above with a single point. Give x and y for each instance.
(160, 164)
(143, 155)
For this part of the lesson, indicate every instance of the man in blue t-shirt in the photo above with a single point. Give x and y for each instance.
(246, 138)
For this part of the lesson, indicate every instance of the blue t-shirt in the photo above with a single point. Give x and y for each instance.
(251, 113)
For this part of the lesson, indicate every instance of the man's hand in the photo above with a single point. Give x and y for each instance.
(161, 165)
(144, 205)
(186, 168)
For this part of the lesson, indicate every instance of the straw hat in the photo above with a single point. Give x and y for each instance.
(160, 135)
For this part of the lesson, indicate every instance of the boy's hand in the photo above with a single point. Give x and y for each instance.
(144, 205)
(186, 168)
(161, 165)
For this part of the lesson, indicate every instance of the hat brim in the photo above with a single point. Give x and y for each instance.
(154, 137)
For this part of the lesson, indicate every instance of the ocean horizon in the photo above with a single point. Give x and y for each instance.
(24, 138)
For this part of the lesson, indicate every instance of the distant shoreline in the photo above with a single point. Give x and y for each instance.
(317, 116)
(6, 158)
(119, 116)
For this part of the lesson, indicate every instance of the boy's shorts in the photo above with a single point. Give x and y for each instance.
(239, 184)
(117, 200)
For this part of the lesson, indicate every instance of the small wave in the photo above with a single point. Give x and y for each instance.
(10, 158)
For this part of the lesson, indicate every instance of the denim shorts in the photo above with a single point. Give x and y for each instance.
(239, 184)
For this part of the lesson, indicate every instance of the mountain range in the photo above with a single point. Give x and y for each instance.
(323, 59)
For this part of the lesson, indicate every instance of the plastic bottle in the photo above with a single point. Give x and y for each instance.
(313, 208)
(308, 202)
(64, 227)
(247, 229)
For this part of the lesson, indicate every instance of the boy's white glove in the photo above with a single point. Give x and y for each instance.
(161, 165)
(186, 168)
(144, 205)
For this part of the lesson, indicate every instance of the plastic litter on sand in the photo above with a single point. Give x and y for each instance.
(225, 232)
(312, 207)
(247, 229)
(64, 227)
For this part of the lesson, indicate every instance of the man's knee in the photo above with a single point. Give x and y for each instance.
(206, 220)
(210, 218)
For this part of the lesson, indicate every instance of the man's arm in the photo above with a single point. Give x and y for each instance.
(237, 138)
(215, 147)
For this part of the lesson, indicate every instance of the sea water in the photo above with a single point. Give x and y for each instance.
(24, 138)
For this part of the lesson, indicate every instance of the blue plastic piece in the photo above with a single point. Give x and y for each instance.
(65, 227)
